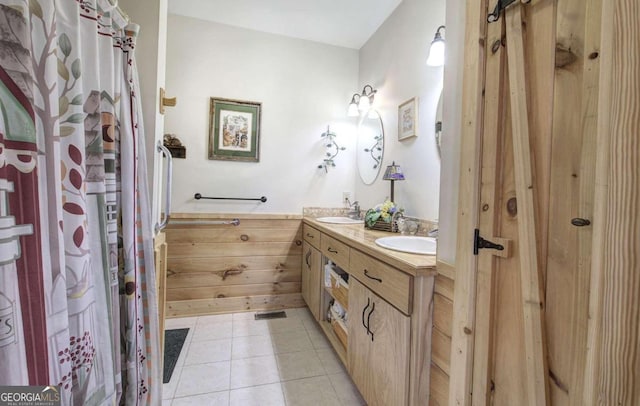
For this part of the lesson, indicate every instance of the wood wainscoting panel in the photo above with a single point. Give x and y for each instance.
(441, 350)
(439, 387)
(442, 313)
(441, 336)
(220, 268)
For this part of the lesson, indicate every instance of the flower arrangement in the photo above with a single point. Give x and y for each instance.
(383, 212)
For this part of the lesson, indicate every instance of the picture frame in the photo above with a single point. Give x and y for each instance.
(234, 130)
(408, 119)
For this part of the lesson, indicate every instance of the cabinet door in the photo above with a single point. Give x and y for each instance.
(311, 278)
(378, 355)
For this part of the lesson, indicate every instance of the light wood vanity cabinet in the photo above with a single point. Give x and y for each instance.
(378, 350)
(311, 235)
(388, 282)
(390, 303)
(311, 277)
(335, 250)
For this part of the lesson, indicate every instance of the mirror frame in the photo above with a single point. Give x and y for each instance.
(438, 123)
(367, 148)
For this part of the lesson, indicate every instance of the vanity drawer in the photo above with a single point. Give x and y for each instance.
(395, 286)
(335, 251)
(311, 235)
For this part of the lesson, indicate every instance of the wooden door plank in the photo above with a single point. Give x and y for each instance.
(562, 267)
(532, 304)
(587, 174)
(491, 174)
(465, 279)
(572, 194)
(540, 40)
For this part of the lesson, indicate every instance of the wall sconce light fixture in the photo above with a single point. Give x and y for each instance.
(436, 51)
(393, 173)
(332, 150)
(361, 102)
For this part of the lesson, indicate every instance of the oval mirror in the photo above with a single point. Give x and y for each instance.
(370, 147)
(438, 127)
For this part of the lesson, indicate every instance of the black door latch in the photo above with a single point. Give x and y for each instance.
(479, 243)
(500, 5)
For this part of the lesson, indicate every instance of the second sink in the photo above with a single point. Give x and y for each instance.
(409, 243)
(339, 220)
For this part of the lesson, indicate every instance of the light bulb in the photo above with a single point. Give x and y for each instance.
(364, 103)
(436, 53)
(353, 110)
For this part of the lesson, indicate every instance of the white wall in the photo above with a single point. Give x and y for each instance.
(393, 61)
(303, 86)
(452, 122)
(150, 55)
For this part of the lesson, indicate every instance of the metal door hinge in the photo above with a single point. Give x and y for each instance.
(480, 243)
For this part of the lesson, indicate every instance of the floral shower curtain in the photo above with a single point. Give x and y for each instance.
(77, 280)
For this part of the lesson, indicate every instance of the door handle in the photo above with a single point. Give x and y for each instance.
(165, 151)
(580, 222)
(332, 250)
(363, 312)
(373, 307)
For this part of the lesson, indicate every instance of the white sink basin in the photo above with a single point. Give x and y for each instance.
(339, 220)
(410, 244)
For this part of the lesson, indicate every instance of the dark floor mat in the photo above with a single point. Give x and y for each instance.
(173, 342)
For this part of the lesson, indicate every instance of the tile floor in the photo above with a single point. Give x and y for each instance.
(232, 359)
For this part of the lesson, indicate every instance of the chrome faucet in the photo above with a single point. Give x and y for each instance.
(355, 212)
(433, 233)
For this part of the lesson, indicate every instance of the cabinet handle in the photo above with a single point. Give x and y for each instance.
(306, 259)
(310, 235)
(366, 273)
(363, 312)
(332, 250)
(373, 307)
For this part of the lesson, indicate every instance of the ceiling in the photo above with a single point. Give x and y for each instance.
(346, 23)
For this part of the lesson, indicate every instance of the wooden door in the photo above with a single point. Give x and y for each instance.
(528, 171)
(378, 355)
(311, 278)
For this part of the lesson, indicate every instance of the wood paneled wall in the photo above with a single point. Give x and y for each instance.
(214, 268)
(441, 336)
(613, 360)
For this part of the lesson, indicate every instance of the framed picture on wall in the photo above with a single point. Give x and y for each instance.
(408, 119)
(234, 130)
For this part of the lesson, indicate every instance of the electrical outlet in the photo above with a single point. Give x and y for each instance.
(346, 198)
